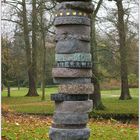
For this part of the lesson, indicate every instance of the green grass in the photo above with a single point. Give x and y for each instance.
(24, 128)
(19, 103)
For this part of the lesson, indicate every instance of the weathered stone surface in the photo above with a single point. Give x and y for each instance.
(78, 5)
(70, 118)
(69, 134)
(74, 106)
(72, 20)
(71, 12)
(74, 64)
(81, 37)
(72, 80)
(73, 30)
(66, 72)
(68, 97)
(73, 57)
(76, 89)
(69, 126)
(73, 46)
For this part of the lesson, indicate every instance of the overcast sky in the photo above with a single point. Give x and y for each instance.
(8, 27)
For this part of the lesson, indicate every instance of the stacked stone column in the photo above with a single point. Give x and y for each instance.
(73, 71)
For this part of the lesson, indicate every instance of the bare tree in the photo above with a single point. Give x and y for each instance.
(125, 93)
(96, 96)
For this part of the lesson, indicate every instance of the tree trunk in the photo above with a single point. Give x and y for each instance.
(8, 91)
(125, 94)
(32, 90)
(96, 96)
(32, 85)
(43, 74)
(43, 50)
(18, 84)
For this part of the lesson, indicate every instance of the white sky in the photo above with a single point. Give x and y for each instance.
(7, 27)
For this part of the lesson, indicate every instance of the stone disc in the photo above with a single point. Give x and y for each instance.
(72, 80)
(74, 64)
(78, 5)
(69, 134)
(66, 72)
(74, 106)
(72, 20)
(68, 97)
(70, 118)
(79, 30)
(76, 89)
(72, 46)
(73, 57)
(81, 37)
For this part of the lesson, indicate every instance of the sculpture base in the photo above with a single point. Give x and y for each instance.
(69, 134)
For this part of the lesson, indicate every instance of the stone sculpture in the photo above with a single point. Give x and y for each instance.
(72, 70)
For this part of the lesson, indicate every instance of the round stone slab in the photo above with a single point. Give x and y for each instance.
(81, 37)
(68, 126)
(72, 80)
(72, 20)
(73, 46)
(70, 118)
(73, 57)
(73, 30)
(71, 12)
(74, 106)
(69, 134)
(76, 89)
(66, 72)
(66, 97)
(74, 64)
(78, 5)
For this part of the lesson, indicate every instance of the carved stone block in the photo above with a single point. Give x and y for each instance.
(81, 37)
(69, 134)
(74, 106)
(68, 97)
(70, 118)
(74, 64)
(72, 20)
(79, 30)
(72, 80)
(72, 46)
(73, 57)
(66, 72)
(76, 89)
(78, 5)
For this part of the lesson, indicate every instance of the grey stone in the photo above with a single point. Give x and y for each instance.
(69, 134)
(68, 126)
(72, 46)
(78, 5)
(81, 37)
(76, 89)
(68, 97)
(70, 118)
(72, 73)
(72, 20)
(74, 64)
(72, 80)
(71, 12)
(73, 57)
(74, 30)
(74, 106)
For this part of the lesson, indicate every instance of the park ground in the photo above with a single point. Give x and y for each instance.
(29, 118)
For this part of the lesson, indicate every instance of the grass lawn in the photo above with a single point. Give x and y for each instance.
(19, 103)
(28, 127)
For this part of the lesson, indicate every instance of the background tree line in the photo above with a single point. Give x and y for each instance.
(28, 56)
